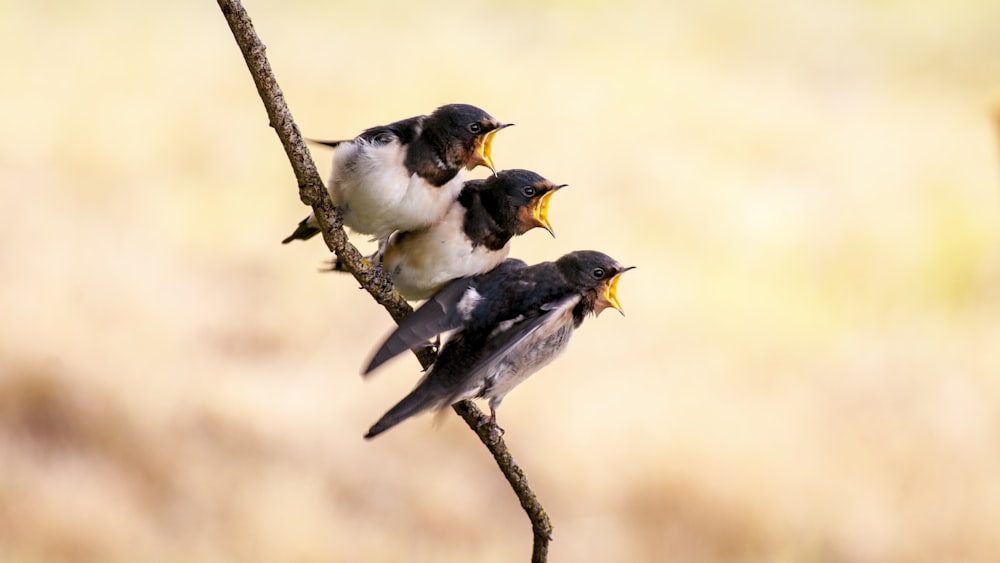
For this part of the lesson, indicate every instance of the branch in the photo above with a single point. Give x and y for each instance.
(372, 278)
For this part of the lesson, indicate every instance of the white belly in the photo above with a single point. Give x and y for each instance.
(422, 261)
(530, 355)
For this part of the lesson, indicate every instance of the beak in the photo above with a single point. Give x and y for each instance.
(541, 210)
(484, 149)
(610, 296)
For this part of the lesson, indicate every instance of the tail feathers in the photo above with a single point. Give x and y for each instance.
(307, 229)
(434, 317)
(419, 400)
(331, 144)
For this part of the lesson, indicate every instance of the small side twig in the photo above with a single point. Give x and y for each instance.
(372, 278)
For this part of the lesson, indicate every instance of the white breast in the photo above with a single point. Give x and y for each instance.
(378, 196)
(422, 261)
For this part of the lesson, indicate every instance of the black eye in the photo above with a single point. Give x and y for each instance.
(598, 273)
(528, 191)
(475, 127)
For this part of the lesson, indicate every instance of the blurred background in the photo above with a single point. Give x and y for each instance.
(808, 369)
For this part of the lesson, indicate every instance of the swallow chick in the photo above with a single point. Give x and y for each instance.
(403, 176)
(474, 234)
(510, 323)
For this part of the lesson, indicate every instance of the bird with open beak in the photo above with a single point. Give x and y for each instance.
(474, 234)
(404, 175)
(509, 323)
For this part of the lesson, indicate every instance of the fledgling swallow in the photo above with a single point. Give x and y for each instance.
(474, 234)
(403, 176)
(510, 322)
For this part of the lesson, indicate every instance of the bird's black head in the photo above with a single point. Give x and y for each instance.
(594, 274)
(463, 135)
(519, 199)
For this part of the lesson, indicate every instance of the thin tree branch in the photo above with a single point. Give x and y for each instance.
(371, 277)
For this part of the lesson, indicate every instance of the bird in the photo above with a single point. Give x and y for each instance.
(509, 322)
(404, 175)
(474, 234)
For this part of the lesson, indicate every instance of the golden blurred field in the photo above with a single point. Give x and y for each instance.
(809, 368)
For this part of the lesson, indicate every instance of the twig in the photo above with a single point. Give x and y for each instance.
(372, 278)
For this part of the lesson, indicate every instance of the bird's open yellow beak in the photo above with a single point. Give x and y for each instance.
(484, 149)
(540, 212)
(609, 298)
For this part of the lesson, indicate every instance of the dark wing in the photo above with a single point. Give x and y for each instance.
(405, 130)
(439, 314)
(520, 337)
(380, 135)
(377, 136)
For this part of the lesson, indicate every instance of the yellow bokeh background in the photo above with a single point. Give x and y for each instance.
(809, 368)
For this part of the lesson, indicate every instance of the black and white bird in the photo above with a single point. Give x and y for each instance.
(404, 175)
(474, 234)
(509, 323)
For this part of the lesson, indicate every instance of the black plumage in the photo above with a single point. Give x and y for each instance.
(404, 175)
(510, 322)
(474, 234)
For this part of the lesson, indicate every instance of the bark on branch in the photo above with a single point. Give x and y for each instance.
(372, 278)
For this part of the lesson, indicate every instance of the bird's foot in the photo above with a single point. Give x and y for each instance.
(335, 264)
(373, 260)
(495, 430)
